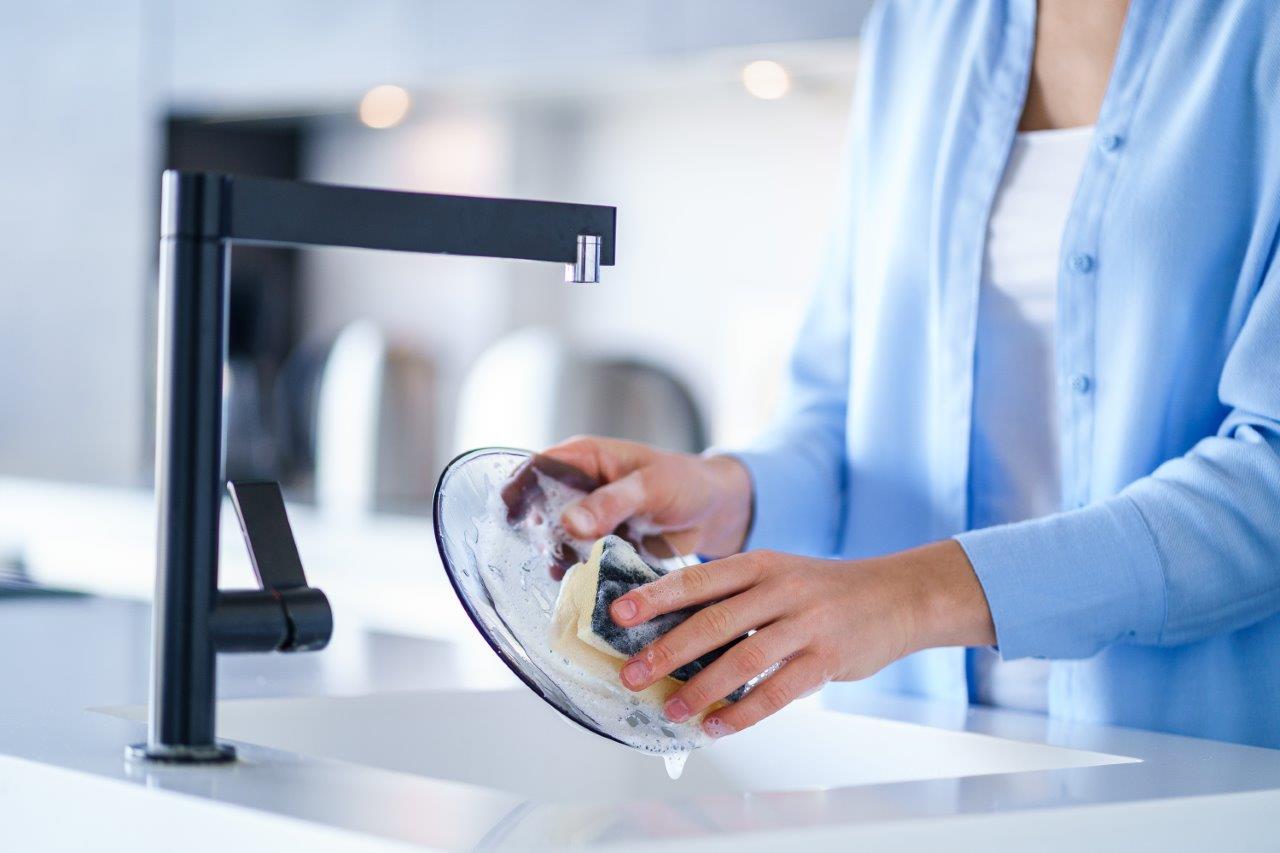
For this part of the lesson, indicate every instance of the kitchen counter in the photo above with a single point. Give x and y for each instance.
(381, 744)
(383, 569)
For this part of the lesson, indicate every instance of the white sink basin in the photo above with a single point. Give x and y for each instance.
(511, 741)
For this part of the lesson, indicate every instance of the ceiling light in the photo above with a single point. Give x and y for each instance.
(384, 106)
(766, 79)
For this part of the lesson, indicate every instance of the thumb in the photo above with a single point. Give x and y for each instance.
(600, 512)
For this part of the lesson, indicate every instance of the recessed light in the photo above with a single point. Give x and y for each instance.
(384, 106)
(766, 79)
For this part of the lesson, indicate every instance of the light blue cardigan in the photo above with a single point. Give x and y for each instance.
(1156, 589)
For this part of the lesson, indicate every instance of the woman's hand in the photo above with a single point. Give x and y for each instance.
(701, 504)
(829, 620)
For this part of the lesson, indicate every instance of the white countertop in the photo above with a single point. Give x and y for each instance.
(398, 758)
(381, 571)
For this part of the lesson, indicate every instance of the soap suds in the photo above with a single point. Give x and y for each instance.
(516, 561)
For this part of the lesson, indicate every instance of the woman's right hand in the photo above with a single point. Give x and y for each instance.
(700, 504)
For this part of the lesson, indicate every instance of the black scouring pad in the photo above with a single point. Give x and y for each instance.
(622, 570)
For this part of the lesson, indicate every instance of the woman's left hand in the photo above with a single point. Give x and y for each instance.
(827, 620)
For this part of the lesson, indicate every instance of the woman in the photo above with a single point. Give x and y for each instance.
(1036, 403)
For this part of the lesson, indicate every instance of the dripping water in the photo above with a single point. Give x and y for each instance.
(675, 763)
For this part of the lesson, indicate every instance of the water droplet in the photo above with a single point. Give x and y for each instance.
(675, 763)
(543, 601)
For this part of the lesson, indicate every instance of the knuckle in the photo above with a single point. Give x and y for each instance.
(830, 667)
(647, 478)
(773, 695)
(575, 449)
(695, 695)
(716, 621)
(759, 562)
(604, 504)
(790, 584)
(660, 657)
(822, 652)
(696, 579)
(749, 660)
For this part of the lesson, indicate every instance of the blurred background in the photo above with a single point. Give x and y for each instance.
(714, 126)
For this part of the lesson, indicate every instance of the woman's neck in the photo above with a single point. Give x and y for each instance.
(1076, 42)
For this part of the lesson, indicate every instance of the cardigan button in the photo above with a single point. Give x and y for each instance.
(1109, 142)
(1080, 262)
(1080, 383)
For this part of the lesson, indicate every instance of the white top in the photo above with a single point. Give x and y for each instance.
(1014, 448)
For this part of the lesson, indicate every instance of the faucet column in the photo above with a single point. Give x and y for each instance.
(194, 266)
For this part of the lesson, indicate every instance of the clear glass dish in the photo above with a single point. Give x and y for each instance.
(504, 553)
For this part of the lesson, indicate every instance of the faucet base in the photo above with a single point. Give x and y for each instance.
(214, 753)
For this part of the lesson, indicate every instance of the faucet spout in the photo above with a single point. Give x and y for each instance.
(586, 267)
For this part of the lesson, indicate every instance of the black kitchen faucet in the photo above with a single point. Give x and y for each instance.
(202, 216)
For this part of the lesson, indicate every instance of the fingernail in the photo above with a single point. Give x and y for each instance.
(716, 727)
(625, 608)
(580, 519)
(635, 673)
(676, 710)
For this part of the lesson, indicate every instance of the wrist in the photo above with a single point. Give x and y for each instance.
(950, 606)
(729, 521)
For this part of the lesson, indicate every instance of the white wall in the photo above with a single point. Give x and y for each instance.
(445, 308)
(723, 207)
(77, 182)
(533, 114)
(723, 202)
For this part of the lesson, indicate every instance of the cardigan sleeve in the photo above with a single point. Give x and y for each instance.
(1189, 551)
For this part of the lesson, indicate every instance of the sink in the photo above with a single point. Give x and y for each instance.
(510, 741)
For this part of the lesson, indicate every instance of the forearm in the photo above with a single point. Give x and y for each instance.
(1189, 552)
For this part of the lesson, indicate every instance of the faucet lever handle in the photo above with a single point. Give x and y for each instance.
(285, 615)
(267, 535)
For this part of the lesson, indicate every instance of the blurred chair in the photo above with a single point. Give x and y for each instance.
(529, 389)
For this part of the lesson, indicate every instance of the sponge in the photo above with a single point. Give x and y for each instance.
(584, 634)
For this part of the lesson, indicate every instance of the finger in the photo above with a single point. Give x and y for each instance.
(605, 459)
(686, 587)
(794, 679)
(745, 660)
(524, 488)
(600, 512)
(710, 628)
(678, 541)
